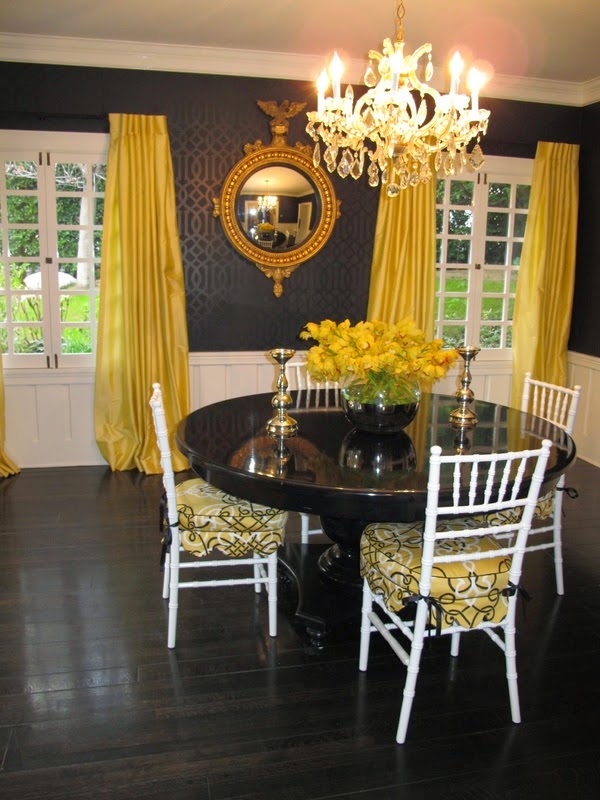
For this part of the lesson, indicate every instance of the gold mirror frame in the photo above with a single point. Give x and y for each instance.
(277, 264)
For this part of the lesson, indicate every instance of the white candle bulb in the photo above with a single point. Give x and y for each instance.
(456, 68)
(475, 81)
(336, 69)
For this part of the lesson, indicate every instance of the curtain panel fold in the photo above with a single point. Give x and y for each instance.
(7, 467)
(142, 328)
(544, 296)
(404, 257)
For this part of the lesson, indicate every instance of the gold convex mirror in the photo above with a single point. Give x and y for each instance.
(277, 208)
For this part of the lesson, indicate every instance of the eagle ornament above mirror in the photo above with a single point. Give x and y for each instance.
(277, 208)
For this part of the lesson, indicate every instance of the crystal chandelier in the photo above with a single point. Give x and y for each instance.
(400, 121)
(267, 202)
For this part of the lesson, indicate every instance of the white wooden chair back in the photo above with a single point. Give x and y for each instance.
(481, 484)
(312, 394)
(162, 436)
(555, 404)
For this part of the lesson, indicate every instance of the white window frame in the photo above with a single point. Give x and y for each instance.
(496, 169)
(48, 148)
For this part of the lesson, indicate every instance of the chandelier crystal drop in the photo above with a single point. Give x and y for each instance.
(401, 127)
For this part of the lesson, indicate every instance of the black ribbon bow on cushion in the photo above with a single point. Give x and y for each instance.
(432, 604)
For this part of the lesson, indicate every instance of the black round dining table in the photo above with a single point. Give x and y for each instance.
(346, 477)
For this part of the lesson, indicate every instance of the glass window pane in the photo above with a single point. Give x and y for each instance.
(74, 308)
(71, 210)
(21, 175)
(28, 340)
(509, 332)
(76, 340)
(439, 220)
(517, 249)
(453, 335)
(25, 275)
(522, 196)
(461, 193)
(97, 274)
(497, 224)
(2, 308)
(437, 308)
(26, 308)
(457, 280)
(24, 243)
(79, 272)
(2, 277)
(520, 220)
(438, 251)
(455, 308)
(98, 211)
(3, 340)
(97, 243)
(511, 308)
(513, 281)
(495, 252)
(99, 178)
(492, 308)
(490, 336)
(439, 190)
(438, 278)
(69, 177)
(459, 251)
(460, 222)
(493, 280)
(22, 209)
(499, 195)
(69, 243)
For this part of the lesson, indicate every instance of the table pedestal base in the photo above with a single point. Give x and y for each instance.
(319, 607)
(340, 563)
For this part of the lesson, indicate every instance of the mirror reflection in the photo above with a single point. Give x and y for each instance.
(278, 207)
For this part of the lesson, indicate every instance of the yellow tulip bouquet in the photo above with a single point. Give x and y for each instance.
(376, 356)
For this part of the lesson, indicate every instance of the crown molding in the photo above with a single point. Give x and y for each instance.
(252, 63)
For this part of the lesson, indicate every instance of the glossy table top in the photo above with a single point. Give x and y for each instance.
(330, 469)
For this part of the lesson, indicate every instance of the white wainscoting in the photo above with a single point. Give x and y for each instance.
(50, 417)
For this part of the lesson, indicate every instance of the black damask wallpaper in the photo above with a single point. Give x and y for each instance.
(230, 303)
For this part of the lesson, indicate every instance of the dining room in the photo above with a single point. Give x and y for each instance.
(229, 268)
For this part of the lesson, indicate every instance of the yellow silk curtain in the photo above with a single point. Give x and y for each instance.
(142, 330)
(403, 267)
(7, 467)
(542, 314)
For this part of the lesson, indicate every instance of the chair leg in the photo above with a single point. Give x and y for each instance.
(557, 537)
(511, 672)
(454, 644)
(365, 627)
(304, 520)
(256, 568)
(272, 592)
(166, 576)
(173, 591)
(412, 671)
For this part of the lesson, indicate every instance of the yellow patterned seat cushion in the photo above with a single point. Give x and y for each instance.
(468, 592)
(544, 509)
(212, 519)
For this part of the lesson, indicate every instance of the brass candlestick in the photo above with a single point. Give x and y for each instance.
(282, 424)
(463, 417)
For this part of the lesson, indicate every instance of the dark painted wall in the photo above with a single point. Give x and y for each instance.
(230, 303)
(585, 331)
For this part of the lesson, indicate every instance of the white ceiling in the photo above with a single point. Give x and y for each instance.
(538, 49)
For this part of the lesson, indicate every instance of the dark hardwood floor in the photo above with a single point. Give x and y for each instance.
(94, 705)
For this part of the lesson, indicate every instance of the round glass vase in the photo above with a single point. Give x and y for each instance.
(382, 403)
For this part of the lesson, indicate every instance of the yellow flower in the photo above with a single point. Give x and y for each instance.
(375, 352)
